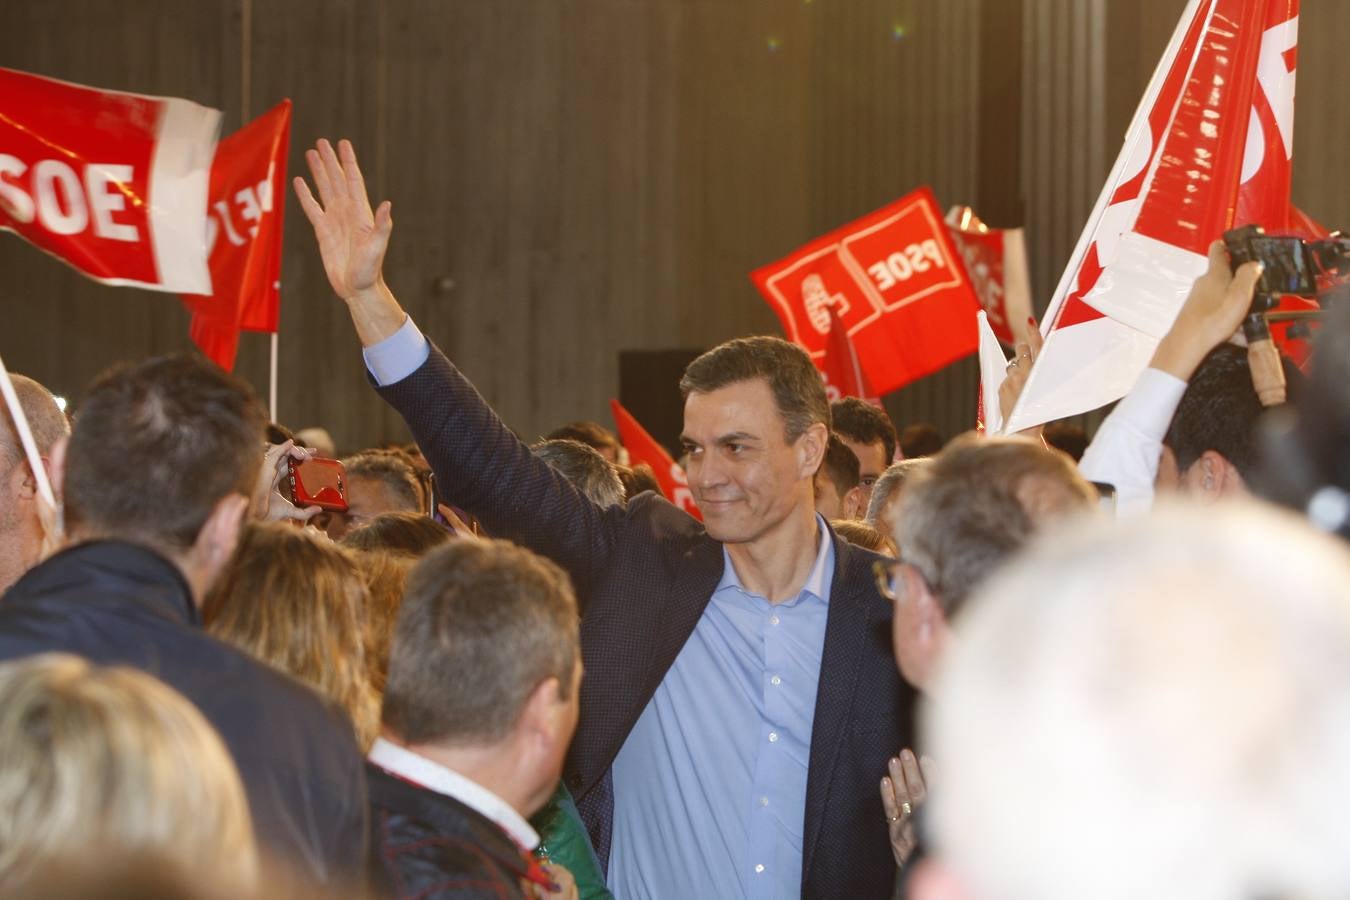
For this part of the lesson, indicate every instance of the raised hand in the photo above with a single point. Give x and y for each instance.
(1217, 304)
(352, 239)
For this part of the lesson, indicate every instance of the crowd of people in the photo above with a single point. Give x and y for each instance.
(884, 664)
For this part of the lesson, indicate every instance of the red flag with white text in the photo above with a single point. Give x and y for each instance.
(247, 206)
(114, 184)
(1210, 149)
(895, 281)
(643, 448)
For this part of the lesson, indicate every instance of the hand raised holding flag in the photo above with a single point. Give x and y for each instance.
(352, 239)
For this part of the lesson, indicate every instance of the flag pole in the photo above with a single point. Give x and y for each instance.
(272, 379)
(44, 487)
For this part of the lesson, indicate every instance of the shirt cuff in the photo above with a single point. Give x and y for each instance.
(1149, 408)
(397, 356)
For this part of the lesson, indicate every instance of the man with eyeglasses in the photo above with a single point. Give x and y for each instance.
(961, 516)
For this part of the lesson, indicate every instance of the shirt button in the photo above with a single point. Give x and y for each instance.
(773, 620)
(763, 801)
(759, 868)
(775, 680)
(773, 737)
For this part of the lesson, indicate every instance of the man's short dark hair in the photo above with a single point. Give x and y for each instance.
(394, 470)
(592, 434)
(798, 391)
(1220, 409)
(921, 439)
(156, 446)
(963, 513)
(414, 534)
(483, 623)
(841, 466)
(859, 421)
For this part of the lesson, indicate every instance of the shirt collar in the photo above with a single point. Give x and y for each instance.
(817, 583)
(433, 776)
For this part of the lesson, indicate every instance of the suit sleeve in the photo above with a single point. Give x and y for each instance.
(482, 467)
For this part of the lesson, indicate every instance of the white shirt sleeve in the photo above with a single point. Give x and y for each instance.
(1126, 448)
(397, 356)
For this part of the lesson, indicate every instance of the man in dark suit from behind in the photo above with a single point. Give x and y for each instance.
(157, 477)
(481, 703)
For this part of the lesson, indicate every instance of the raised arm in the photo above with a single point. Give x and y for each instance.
(479, 464)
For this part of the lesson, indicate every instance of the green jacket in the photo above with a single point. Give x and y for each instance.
(563, 839)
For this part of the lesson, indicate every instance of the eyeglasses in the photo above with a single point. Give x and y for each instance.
(886, 573)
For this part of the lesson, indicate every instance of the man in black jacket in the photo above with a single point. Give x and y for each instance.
(481, 703)
(156, 478)
(741, 698)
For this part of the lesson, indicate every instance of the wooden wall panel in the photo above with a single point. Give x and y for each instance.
(579, 177)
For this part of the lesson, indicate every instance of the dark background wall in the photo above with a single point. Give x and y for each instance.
(576, 178)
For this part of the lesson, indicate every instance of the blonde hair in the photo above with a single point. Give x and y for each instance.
(112, 761)
(385, 574)
(295, 600)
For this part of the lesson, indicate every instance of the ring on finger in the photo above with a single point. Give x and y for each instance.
(1012, 364)
(906, 810)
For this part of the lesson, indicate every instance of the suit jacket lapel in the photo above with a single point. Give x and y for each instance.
(700, 571)
(845, 642)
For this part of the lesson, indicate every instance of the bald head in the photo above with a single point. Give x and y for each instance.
(45, 418)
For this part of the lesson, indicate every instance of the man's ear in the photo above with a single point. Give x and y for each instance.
(55, 461)
(853, 501)
(811, 449)
(541, 718)
(220, 532)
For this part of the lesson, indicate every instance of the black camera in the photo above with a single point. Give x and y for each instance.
(1291, 266)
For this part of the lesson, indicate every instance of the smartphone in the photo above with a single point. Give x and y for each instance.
(318, 482)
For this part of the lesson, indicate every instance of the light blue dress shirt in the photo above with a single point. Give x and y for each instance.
(710, 785)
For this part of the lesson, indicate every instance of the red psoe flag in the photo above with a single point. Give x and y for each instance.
(114, 184)
(1209, 149)
(893, 279)
(643, 448)
(248, 182)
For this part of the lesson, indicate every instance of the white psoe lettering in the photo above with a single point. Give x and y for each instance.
(62, 202)
(903, 264)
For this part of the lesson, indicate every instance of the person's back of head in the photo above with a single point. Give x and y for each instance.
(400, 532)
(385, 573)
(156, 448)
(887, 491)
(592, 434)
(296, 601)
(1173, 694)
(637, 479)
(582, 465)
(112, 761)
(1213, 437)
(21, 531)
(837, 480)
(487, 645)
(860, 534)
(921, 439)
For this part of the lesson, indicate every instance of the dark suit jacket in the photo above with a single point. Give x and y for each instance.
(643, 575)
(121, 604)
(427, 845)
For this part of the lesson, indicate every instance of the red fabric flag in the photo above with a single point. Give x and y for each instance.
(248, 181)
(643, 448)
(896, 282)
(839, 366)
(1209, 149)
(113, 184)
(996, 261)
